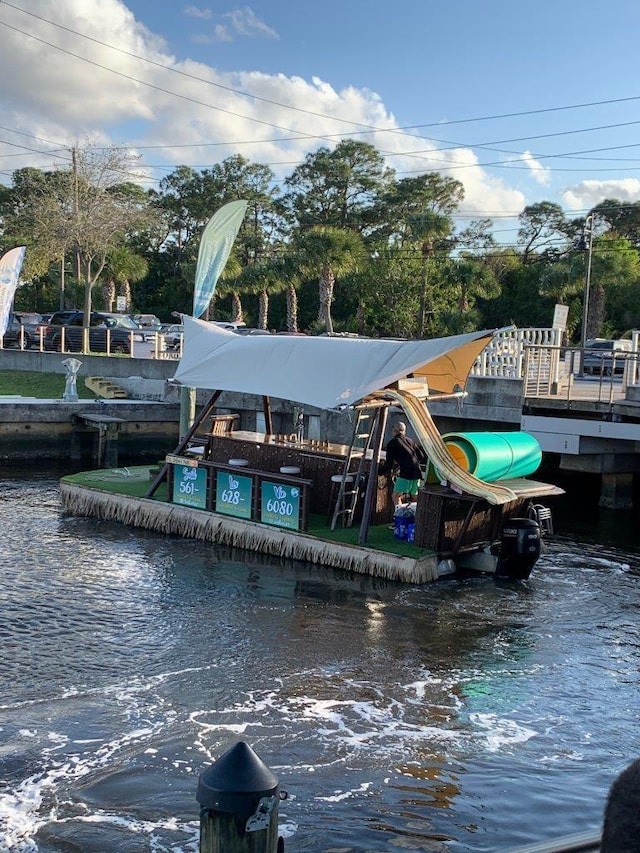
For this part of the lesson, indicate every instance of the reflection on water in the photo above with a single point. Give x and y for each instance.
(465, 715)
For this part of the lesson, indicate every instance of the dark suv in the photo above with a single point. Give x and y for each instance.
(23, 330)
(107, 332)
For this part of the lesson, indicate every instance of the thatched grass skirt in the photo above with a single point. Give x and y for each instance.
(168, 518)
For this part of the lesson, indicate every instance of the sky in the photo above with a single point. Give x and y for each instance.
(520, 102)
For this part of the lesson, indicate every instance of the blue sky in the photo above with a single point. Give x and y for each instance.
(521, 103)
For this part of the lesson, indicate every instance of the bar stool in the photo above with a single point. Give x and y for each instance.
(239, 463)
(336, 479)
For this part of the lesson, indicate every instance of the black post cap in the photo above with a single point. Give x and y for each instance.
(236, 782)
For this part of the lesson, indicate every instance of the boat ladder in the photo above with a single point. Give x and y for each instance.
(352, 480)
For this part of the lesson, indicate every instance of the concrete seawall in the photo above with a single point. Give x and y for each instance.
(36, 429)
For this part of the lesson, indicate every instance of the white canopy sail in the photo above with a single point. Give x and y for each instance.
(325, 372)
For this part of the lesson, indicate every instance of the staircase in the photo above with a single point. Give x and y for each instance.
(106, 389)
(351, 482)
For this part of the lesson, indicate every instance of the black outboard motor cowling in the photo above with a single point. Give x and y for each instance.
(519, 548)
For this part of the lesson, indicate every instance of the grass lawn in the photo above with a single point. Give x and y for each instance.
(134, 482)
(31, 383)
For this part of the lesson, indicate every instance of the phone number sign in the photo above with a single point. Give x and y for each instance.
(234, 494)
(280, 505)
(190, 486)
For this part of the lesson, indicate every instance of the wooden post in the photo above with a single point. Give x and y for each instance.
(111, 446)
(238, 798)
(268, 420)
(98, 446)
(187, 409)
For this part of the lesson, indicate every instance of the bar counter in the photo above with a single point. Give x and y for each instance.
(318, 461)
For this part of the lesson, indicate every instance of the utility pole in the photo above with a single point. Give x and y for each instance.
(586, 242)
(62, 282)
(76, 253)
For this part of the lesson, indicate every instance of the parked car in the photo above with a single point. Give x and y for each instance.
(23, 330)
(34, 325)
(60, 318)
(172, 334)
(107, 332)
(149, 322)
(605, 356)
(246, 330)
(11, 337)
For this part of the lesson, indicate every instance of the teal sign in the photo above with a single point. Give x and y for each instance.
(190, 486)
(234, 494)
(280, 505)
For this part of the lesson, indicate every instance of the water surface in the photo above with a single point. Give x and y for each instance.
(466, 715)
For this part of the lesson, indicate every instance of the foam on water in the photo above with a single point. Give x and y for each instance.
(382, 726)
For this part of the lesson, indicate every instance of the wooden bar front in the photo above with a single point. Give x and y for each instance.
(318, 461)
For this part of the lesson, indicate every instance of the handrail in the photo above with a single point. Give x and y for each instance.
(580, 842)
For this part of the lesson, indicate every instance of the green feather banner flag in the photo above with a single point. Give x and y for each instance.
(215, 247)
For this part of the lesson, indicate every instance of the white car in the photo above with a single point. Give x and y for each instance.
(172, 335)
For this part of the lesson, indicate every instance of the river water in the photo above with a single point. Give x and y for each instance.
(467, 715)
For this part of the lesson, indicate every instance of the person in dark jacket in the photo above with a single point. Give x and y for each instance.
(405, 457)
(621, 829)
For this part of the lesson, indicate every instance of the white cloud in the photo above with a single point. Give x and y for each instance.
(197, 12)
(245, 22)
(539, 173)
(587, 194)
(220, 34)
(484, 195)
(239, 23)
(65, 99)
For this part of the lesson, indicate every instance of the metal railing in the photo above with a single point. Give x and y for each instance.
(582, 842)
(504, 356)
(549, 370)
(153, 346)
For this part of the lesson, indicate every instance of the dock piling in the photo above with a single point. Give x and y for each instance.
(238, 797)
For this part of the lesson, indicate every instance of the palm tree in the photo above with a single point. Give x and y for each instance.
(263, 279)
(122, 267)
(228, 285)
(428, 228)
(327, 252)
(474, 280)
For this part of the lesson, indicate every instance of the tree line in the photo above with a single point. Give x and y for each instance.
(342, 244)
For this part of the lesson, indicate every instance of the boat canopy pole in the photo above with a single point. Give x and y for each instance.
(268, 420)
(206, 410)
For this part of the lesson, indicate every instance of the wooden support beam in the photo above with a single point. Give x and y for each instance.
(206, 410)
(268, 419)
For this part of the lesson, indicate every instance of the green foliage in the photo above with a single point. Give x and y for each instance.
(345, 245)
(335, 188)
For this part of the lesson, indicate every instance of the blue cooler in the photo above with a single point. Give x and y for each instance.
(400, 527)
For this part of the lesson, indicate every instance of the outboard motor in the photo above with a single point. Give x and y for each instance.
(519, 548)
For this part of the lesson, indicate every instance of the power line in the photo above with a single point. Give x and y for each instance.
(326, 137)
(145, 83)
(368, 128)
